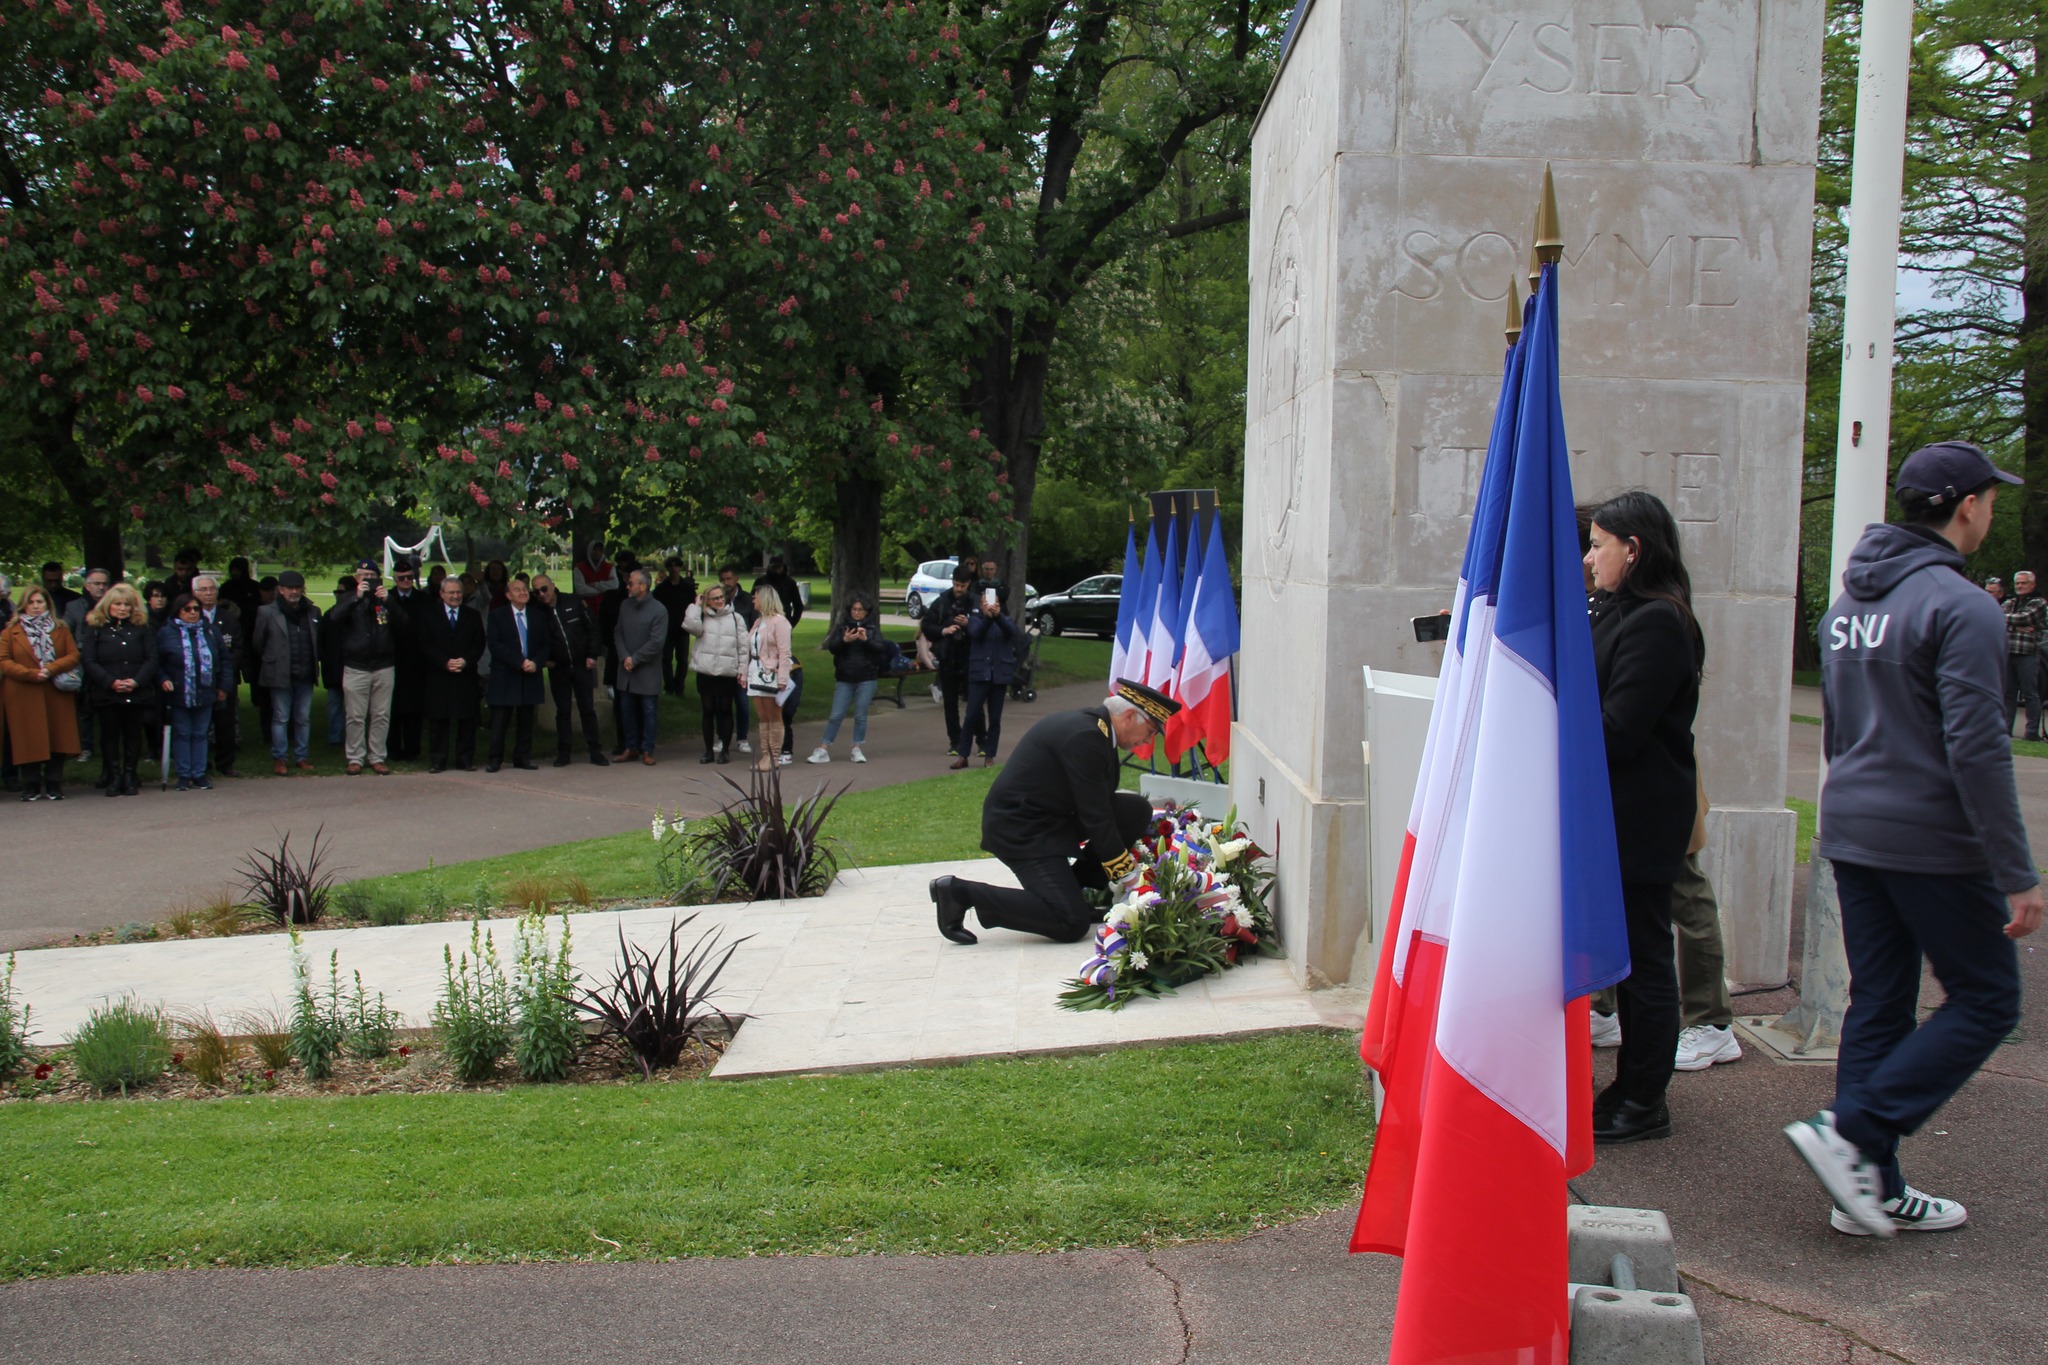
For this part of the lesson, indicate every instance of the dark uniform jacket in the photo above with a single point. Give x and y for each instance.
(1054, 793)
(227, 623)
(450, 696)
(367, 633)
(1649, 689)
(510, 684)
(409, 669)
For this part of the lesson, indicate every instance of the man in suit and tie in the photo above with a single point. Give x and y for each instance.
(451, 637)
(518, 641)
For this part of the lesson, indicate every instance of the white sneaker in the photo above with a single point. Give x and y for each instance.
(937, 695)
(745, 747)
(1700, 1046)
(1910, 1212)
(858, 756)
(782, 760)
(1849, 1177)
(821, 754)
(1606, 1030)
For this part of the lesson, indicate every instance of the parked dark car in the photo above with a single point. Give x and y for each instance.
(1088, 606)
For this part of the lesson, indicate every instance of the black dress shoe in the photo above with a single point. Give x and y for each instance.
(709, 757)
(1631, 1121)
(952, 913)
(492, 767)
(561, 760)
(724, 757)
(437, 767)
(526, 765)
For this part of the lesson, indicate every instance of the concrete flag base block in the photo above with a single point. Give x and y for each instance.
(1634, 1327)
(1626, 1304)
(1598, 1234)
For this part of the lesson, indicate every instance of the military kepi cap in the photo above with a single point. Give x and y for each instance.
(1157, 706)
(1948, 471)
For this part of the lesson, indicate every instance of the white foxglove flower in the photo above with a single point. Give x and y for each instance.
(659, 827)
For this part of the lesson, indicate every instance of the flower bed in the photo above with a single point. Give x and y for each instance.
(1198, 907)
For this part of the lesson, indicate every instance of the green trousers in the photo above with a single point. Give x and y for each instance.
(1702, 977)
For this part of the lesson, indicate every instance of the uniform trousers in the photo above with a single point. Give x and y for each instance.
(1894, 1071)
(1047, 899)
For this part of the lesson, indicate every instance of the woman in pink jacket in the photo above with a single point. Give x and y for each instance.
(768, 677)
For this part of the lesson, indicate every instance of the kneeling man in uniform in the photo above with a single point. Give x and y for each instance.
(1055, 795)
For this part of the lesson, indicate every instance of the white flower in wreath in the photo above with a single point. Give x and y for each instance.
(1230, 852)
(1138, 960)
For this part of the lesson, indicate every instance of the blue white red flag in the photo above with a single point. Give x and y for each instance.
(1162, 647)
(1139, 597)
(1506, 915)
(1126, 606)
(1211, 638)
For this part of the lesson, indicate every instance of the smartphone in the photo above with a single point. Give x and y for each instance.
(1432, 628)
(988, 597)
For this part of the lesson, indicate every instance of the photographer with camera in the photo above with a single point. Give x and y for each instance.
(366, 629)
(859, 654)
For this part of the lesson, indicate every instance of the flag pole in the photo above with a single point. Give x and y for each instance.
(1877, 169)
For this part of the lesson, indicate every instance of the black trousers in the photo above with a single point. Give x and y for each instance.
(572, 685)
(121, 738)
(984, 726)
(408, 720)
(1647, 998)
(952, 687)
(465, 741)
(227, 732)
(518, 719)
(675, 661)
(1047, 898)
(720, 698)
(1894, 1071)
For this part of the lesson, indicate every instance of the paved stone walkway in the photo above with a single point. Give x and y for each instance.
(856, 978)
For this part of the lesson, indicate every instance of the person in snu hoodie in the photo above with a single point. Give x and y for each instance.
(1920, 818)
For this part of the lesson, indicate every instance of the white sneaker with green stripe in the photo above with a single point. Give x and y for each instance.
(1844, 1172)
(1912, 1211)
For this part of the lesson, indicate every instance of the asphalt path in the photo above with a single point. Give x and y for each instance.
(88, 862)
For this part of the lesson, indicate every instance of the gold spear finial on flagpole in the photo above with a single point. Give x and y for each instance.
(1514, 328)
(1549, 231)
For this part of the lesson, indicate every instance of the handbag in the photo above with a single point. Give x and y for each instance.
(762, 682)
(70, 680)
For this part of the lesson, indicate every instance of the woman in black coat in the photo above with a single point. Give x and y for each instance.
(117, 650)
(1648, 652)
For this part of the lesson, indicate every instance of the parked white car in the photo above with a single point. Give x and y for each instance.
(933, 579)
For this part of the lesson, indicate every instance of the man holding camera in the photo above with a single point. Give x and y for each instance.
(945, 626)
(366, 628)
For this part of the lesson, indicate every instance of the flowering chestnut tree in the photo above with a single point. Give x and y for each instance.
(545, 263)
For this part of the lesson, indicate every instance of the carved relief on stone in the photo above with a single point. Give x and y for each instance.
(1282, 414)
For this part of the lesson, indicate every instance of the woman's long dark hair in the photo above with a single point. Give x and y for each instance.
(1659, 569)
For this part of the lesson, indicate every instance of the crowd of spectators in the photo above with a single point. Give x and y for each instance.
(426, 665)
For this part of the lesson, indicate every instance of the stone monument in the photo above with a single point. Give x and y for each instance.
(1396, 165)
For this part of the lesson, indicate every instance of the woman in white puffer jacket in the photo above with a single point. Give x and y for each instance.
(719, 658)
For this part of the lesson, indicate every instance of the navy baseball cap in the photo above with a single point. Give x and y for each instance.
(1949, 470)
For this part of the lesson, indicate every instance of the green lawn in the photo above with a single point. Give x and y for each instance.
(931, 820)
(1807, 814)
(1126, 1147)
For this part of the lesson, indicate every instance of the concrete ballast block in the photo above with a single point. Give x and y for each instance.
(1597, 1234)
(1634, 1327)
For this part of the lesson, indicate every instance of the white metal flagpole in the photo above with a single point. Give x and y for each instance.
(1863, 445)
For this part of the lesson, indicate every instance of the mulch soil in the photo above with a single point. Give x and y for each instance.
(414, 1067)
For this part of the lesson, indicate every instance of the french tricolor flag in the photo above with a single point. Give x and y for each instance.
(1506, 915)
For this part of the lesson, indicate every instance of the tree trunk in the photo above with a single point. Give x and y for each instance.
(1012, 402)
(2033, 331)
(99, 534)
(857, 538)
